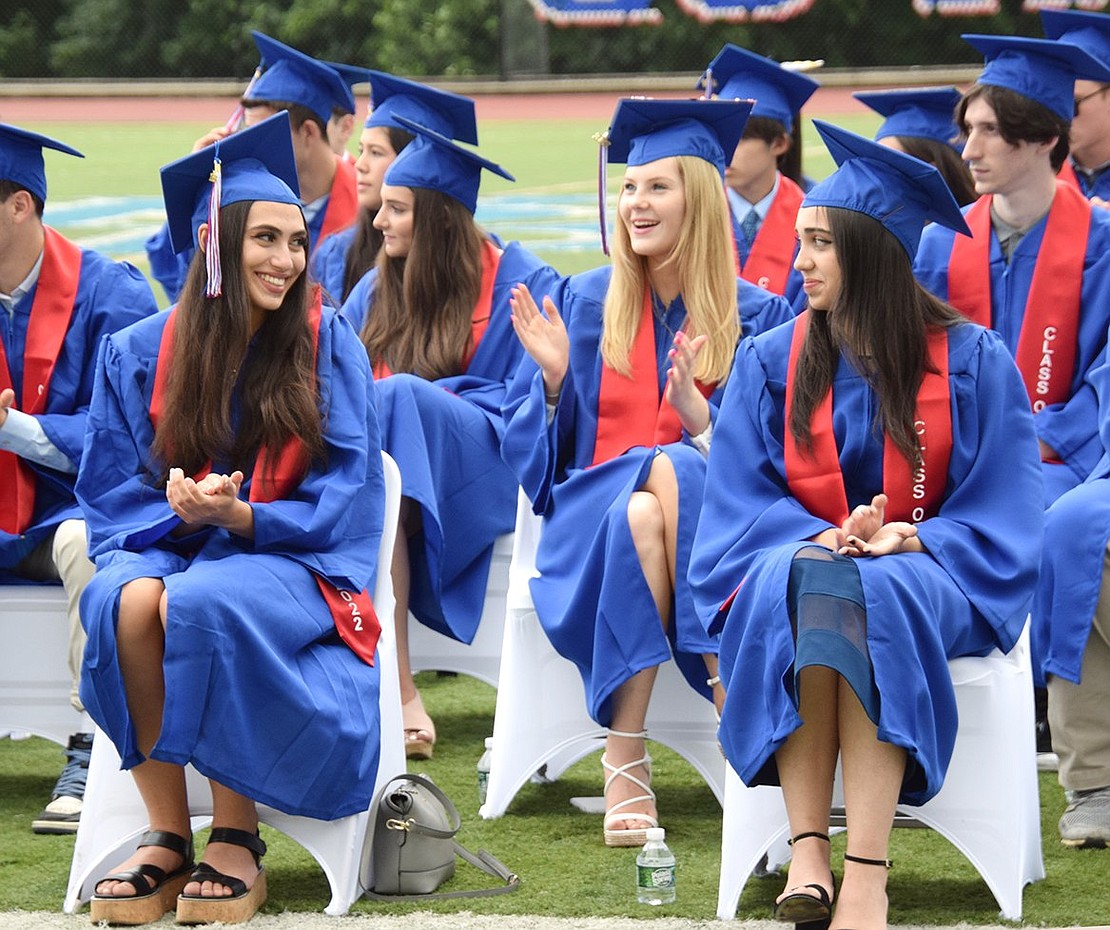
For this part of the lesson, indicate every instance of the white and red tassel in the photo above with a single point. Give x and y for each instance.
(214, 287)
(602, 140)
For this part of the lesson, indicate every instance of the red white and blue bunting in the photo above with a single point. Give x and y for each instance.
(990, 7)
(740, 11)
(597, 12)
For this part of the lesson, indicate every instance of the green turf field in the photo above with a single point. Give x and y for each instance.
(564, 867)
(111, 199)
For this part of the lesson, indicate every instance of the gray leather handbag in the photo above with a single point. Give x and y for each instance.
(413, 845)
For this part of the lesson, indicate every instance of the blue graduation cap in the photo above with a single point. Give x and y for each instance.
(21, 159)
(290, 76)
(644, 130)
(737, 74)
(900, 191)
(253, 164)
(919, 112)
(1043, 70)
(451, 115)
(1090, 31)
(434, 162)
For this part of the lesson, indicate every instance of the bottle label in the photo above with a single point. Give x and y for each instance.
(654, 876)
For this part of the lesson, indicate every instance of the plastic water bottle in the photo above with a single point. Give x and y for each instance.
(655, 870)
(483, 771)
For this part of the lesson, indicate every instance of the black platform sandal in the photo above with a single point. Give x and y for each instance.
(237, 907)
(161, 887)
(806, 911)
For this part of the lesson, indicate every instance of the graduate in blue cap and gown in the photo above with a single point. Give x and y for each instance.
(1089, 137)
(609, 417)
(872, 509)
(59, 300)
(1071, 616)
(763, 202)
(231, 536)
(920, 121)
(345, 257)
(434, 317)
(310, 91)
(1037, 266)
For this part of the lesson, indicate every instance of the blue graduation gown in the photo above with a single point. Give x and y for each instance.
(446, 438)
(261, 693)
(591, 595)
(967, 594)
(1077, 531)
(329, 262)
(110, 295)
(1099, 188)
(1071, 427)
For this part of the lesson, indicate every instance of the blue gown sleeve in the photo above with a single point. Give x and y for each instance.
(167, 267)
(111, 295)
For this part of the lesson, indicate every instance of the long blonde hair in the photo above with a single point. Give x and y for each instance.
(707, 270)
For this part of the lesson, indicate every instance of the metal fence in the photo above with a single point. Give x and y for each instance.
(167, 39)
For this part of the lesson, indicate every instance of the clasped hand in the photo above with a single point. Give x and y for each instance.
(865, 532)
(211, 500)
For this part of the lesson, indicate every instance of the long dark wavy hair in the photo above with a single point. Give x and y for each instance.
(423, 304)
(944, 158)
(879, 322)
(278, 396)
(368, 240)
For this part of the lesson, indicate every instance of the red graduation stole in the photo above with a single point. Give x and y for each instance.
(276, 477)
(627, 412)
(769, 263)
(342, 208)
(814, 476)
(1068, 176)
(51, 312)
(483, 309)
(1049, 331)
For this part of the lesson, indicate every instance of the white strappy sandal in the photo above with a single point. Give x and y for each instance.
(614, 814)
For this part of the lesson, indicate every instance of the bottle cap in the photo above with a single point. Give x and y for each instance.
(489, 742)
(655, 834)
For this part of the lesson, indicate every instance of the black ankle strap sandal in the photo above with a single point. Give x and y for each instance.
(886, 863)
(241, 904)
(806, 911)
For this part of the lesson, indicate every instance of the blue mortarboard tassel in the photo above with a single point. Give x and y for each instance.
(214, 287)
(602, 140)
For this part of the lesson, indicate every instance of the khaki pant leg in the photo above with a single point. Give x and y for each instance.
(71, 559)
(1079, 715)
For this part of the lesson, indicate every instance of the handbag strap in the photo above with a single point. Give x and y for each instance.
(483, 859)
(411, 824)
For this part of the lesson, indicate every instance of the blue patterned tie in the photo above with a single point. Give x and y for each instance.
(750, 225)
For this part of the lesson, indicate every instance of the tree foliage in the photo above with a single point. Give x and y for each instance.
(211, 38)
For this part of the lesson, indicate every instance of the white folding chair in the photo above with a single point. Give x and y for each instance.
(480, 658)
(35, 680)
(113, 818)
(988, 808)
(540, 717)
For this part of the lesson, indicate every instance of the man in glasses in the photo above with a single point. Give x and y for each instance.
(1090, 126)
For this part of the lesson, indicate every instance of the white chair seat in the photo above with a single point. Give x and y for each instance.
(988, 808)
(540, 717)
(35, 680)
(113, 818)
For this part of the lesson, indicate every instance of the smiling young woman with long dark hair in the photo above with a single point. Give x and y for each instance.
(233, 493)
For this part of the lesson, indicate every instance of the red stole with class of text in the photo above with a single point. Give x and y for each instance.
(274, 478)
(342, 208)
(772, 254)
(51, 312)
(483, 309)
(814, 475)
(1047, 345)
(627, 415)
